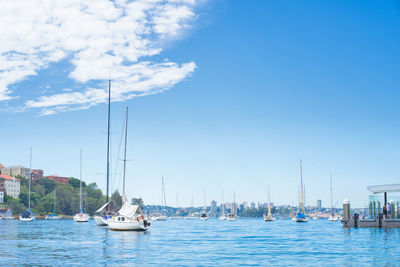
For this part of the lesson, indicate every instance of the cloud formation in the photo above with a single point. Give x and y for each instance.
(99, 38)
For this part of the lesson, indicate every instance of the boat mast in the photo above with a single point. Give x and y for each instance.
(126, 141)
(54, 201)
(30, 176)
(108, 138)
(223, 205)
(80, 182)
(234, 204)
(163, 197)
(269, 202)
(301, 184)
(330, 176)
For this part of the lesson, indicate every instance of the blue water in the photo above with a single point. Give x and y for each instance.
(194, 242)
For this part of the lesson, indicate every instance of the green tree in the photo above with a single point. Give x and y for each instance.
(75, 182)
(48, 184)
(39, 189)
(138, 201)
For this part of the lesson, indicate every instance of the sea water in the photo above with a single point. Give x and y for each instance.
(245, 242)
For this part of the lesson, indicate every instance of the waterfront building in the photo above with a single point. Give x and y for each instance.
(319, 204)
(1, 184)
(253, 205)
(36, 175)
(11, 185)
(1, 189)
(59, 179)
(16, 170)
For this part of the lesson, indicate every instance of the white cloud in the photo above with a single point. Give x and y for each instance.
(99, 37)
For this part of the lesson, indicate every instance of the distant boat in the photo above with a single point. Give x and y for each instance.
(107, 210)
(158, 216)
(333, 217)
(222, 217)
(232, 216)
(81, 216)
(129, 217)
(268, 217)
(53, 216)
(300, 216)
(203, 215)
(28, 215)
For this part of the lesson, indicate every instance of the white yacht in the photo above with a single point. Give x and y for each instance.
(333, 217)
(28, 215)
(81, 216)
(232, 216)
(129, 217)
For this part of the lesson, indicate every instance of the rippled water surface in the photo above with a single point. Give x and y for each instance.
(196, 242)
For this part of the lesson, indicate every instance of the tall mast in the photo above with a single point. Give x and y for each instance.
(30, 176)
(301, 184)
(108, 138)
(223, 205)
(54, 201)
(330, 176)
(269, 202)
(80, 182)
(234, 204)
(163, 197)
(162, 191)
(126, 141)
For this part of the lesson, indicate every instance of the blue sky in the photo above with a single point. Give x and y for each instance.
(266, 83)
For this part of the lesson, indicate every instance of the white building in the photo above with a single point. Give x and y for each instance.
(11, 186)
(1, 197)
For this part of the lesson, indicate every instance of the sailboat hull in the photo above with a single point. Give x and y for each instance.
(81, 218)
(127, 226)
(100, 221)
(222, 218)
(28, 219)
(269, 218)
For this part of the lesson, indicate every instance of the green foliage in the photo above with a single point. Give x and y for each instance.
(75, 182)
(67, 197)
(47, 184)
(138, 201)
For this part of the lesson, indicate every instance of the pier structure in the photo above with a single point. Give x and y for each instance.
(382, 213)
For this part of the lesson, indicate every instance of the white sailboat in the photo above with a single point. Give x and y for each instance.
(233, 216)
(300, 216)
(333, 217)
(129, 217)
(203, 215)
(107, 210)
(222, 217)
(53, 216)
(268, 217)
(158, 216)
(28, 215)
(81, 216)
(191, 216)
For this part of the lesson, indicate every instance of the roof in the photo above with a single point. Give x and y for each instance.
(376, 189)
(8, 177)
(16, 167)
(1, 166)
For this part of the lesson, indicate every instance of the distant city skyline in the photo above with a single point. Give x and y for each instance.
(223, 97)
